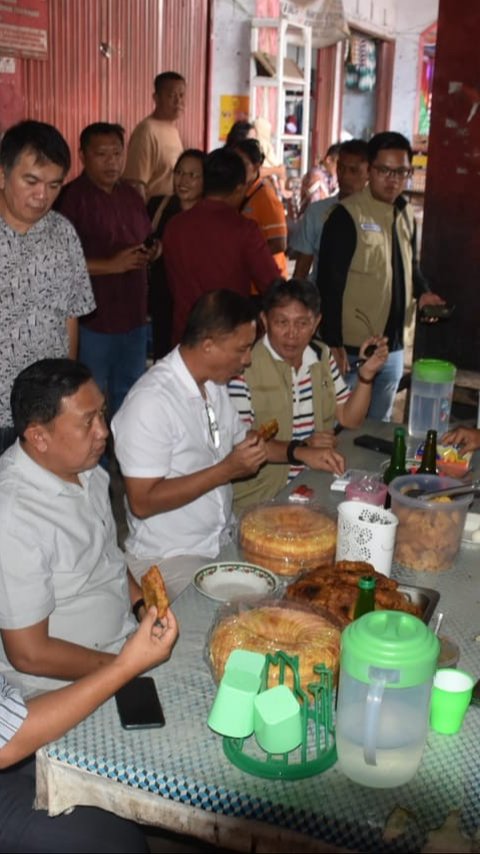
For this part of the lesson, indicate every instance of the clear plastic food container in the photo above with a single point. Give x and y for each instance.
(429, 532)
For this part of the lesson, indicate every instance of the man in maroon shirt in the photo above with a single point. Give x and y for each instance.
(112, 223)
(212, 246)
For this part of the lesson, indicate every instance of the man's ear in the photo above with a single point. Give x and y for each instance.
(263, 319)
(317, 322)
(206, 345)
(37, 436)
(2, 178)
(81, 156)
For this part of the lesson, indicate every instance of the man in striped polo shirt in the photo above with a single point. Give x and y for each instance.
(296, 381)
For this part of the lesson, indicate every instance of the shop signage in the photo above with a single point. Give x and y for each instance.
(23, 28)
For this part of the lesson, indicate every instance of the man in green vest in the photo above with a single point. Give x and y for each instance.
(297, 383)
(368, 273)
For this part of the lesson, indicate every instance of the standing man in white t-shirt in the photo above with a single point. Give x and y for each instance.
(155, 145)
(66, 597)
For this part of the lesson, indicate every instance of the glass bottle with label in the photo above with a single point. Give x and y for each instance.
(429, 459)
(397, 466)
(366, 596)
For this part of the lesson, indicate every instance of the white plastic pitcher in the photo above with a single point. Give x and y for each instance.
(430, 396)
(387, 664)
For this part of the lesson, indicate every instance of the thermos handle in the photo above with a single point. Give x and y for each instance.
(372, 715)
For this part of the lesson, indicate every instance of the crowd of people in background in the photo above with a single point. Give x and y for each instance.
(197, 247)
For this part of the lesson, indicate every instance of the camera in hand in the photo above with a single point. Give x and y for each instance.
(149, 241)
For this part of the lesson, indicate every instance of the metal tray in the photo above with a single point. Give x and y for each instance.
(424, 597)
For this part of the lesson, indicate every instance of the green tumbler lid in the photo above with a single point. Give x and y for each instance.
(390, 640)
(434, 371)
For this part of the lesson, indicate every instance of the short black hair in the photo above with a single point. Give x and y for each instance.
(224, 171)
(251, 149)
(166, 77)
(44, 140)
(197, 153)
(388, 140)
(357, 147)
(237, 132)
(217, 313)
(101, 129)
(282, 292)
(38, 390)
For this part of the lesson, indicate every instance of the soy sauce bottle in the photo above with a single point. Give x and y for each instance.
(429, 459)
(366, 596)
(397, 465)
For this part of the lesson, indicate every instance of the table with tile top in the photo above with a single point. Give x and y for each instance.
(179, 778)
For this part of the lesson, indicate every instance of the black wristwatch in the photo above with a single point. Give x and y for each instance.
(291, 448)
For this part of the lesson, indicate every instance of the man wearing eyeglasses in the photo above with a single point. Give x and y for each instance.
(368, 274)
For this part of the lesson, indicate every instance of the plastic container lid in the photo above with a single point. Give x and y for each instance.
(434, 371)
(390, 640)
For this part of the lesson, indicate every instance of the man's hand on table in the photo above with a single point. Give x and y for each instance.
(467, 437)
(151, 644)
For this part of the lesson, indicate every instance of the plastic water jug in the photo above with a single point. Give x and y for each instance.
(387, 663)
(430, 396)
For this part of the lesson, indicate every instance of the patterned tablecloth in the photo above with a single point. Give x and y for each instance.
(179, 776)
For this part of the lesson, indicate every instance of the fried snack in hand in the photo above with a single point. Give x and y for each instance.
(154, 593)
(268, 429)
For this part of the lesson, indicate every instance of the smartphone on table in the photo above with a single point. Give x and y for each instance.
(138, 704)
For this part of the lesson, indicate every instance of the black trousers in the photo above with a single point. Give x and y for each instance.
(87, 830)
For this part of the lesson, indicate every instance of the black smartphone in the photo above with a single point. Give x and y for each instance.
(442, 312)
(373, 443)
(149, 241)
(138, 704)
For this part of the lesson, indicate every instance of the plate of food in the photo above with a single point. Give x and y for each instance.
(335, 588)
(232, 581)
(471, 531)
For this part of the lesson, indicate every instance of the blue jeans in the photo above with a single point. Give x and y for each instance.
(116, 360)
(384, 387)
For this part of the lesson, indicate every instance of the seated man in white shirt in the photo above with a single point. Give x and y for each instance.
(180, 443)
(65, 593)
(296, 381)
(26, 726)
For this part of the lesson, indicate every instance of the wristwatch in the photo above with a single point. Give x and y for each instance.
(291, 448)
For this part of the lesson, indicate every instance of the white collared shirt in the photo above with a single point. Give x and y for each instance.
(59, 559)
(162, 431)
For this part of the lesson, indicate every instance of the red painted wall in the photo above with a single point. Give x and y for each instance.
(103, 56)
(451, 233)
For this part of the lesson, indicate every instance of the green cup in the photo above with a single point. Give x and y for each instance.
(277, 720)
(451, 695)
(233, 708)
